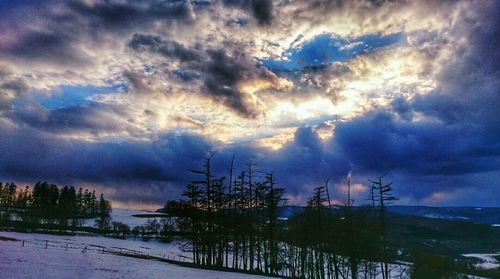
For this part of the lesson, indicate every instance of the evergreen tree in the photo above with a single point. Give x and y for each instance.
(104, 209)
(1, 194)
(79, 201)
(94, 206)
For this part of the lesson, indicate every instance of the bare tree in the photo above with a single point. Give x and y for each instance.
(384, 198)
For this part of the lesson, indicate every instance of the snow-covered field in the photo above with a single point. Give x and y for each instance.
(35, 261)
(488, 261)
(88, 256)
(125, 216)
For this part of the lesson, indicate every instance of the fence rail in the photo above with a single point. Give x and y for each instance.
(399, 271)
(92, 248)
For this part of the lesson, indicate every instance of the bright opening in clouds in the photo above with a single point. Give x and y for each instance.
(327, 48)
(132, 94)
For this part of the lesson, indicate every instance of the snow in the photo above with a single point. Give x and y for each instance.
(488, 260)
(121, 215)
(151, 247)
(124, 216)
(34, 261)
(495, 225)
(439, 216)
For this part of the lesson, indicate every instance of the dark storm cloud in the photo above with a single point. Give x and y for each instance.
(302, 164)
(92, 118)
(222, 73)
(402, 108)
(46, 47)
(11, 88)
(468, 91)
(380, 142)
(371, 145)
(310, 160)
(167, 48)
(30, 155)
(67, 25)
(261, 10)
(457, 133)
(219, 70)
(123, 16)
(129, 13)
(161, 165)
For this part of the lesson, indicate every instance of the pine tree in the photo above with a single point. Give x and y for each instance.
(318, 199)
(104, 209)
(193, 193)
(53, 199)
(87, 199)
(93, 203)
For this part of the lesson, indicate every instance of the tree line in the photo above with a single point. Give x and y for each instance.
(235, 222)
(50, 201)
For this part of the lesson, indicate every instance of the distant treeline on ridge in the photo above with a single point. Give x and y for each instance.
(46, 200)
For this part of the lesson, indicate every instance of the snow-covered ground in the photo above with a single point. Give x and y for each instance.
(35, 261)
(440, 216)
(125, 216)
(488, 260)
(88, 256)
(79, 242)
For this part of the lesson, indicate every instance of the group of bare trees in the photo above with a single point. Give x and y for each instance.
(326, 241)
(237, 223)
(232, 224)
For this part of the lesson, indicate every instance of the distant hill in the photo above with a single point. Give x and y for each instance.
(478, 215)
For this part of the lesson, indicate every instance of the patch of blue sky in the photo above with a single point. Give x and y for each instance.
(320, 120)
(185, 76)
(309, 122)
(328, 48)
(201, 3)
(75, 95)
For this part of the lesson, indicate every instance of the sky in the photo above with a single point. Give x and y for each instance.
(126, 96)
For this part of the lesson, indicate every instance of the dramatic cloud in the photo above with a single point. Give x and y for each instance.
(262, 10)
(11, 88)
(126, 94)
(222, 74)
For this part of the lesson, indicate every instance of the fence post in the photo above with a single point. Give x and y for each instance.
(66, 246)
(46, 244)
(23, 242)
